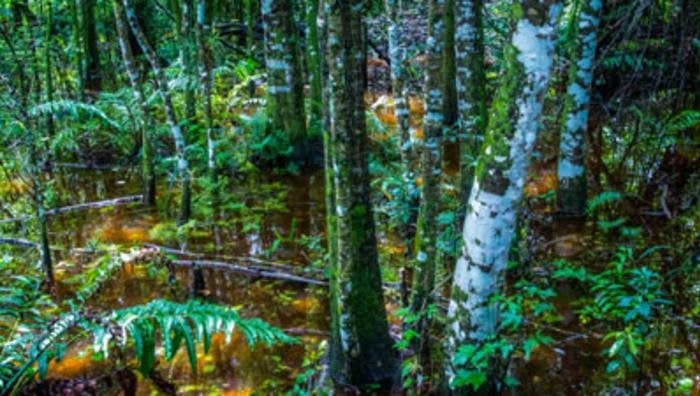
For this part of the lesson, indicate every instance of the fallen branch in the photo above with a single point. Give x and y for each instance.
(18, 242)
(302, 331)
(97, 205)
(87, 205)
(254, 260)
(248, 271)
(87, 166)
(24, 243)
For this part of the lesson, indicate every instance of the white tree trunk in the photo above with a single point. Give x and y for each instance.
(492, 210)
(571, 194)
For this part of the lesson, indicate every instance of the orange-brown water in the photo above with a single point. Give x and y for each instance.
(233, 369)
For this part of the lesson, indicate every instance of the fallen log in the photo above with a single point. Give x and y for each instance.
(87, 205)
(97, 205)
(248, 271)
(254, 260)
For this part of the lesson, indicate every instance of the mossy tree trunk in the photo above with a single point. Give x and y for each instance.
(471, 90)
(148, 176)
(285, 85)
(93, 71)
(363, 352)
(571, 170)
(183, 169)
(430, 168)
(501, 171)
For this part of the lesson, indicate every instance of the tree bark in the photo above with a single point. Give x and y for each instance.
(450, 108)
(571, 170)
(206, 81)
(430, 167)
(148, 176)
(93, 73)
(501, 173)
(471, 91)
(171, 117)
(285, 84)
(360, 328)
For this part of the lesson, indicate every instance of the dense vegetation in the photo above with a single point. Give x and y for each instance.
(419, 197)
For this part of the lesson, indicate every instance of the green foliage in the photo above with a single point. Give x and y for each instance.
(192, 323)
(265, 144)
(629, 298)
(522, 316)
(684, 120)
(602, 199)
(75, 109)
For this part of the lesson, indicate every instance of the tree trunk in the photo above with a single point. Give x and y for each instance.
(147, 168)
(48, 40)
(188, 58)
(314, 65)
(500, 174)
(571, 187)
(471, 91)
(285, 104)
(93, 76)
(206, 81)
(360, 328)
(430, 166)
(77, 51)
(171, 117)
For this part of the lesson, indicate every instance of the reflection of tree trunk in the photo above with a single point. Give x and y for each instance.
(198, 283)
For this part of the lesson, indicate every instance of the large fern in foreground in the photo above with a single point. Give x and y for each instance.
(175, 324)
(139, 328)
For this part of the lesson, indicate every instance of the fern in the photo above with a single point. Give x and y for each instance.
(75, 109)
(191, 323)
(683, 120)
(601, 199)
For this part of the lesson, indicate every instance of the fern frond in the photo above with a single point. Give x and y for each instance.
(191, 323)
(601, 199)
(683, 120)
(75, 109)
